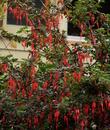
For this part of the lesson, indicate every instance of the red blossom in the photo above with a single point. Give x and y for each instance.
(4, 67)
(30, 94)
(82, 123)
(66, 120)
(77, 76)
(29, 122)
(12, 84)
(34, 35)
(65, 61)
(56, 76)
(24, 43)
(76, 115)
(45, 85)
(51, 75)
(32, 46)
(33, 71)
(102, 106)
(50, 118)
(109, 105)
(106, 103)
(93, 107)
(23, 92)
(34, 86)
(49, 39)
(56, 115)
(36, 121)
(10, 9)
(81, 58)
(86, 109)
(42, 114)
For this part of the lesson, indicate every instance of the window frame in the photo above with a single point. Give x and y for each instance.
(63, 26)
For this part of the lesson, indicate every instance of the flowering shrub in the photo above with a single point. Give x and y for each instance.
(55, 94)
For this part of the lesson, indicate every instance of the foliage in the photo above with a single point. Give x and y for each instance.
(56, 87)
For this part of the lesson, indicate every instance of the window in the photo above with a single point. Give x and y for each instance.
(105, 7)
(11, 25)
(74, 32)
(12, 21)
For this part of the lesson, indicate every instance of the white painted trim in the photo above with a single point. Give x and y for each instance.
(76, 38)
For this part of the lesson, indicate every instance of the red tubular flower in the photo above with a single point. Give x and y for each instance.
(23, 92)
(4, 67)
(102, 106)
(42, 114)
(109, 105)
(33, 71)
(29, 122)
(10, 9)
(27, 19)
(35, 36)
(12, 84)
(77, 76)
(65, 61)
(24, 43)
(32, 47)
(86, 109)
(50, 39)
(30, 94)
(45, 85)
(34, 86)
(106, 103)
(66, 121)
(81, 58)
(76, 115)
(51, 76)
(36, 121)
(50, 118)
(57, 76)
(82, 123)
(93, 108)
(39, 24)
(56, 115)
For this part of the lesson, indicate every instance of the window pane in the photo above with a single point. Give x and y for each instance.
(75, 31)
(11, 19)
(105, 7)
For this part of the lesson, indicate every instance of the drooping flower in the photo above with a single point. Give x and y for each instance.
(4, 67)
(56, 76)
(36, 121)
(76, 115)
(12, 84)
(86, 109)
(82, 123)
(34, 86)
(24, 43)
(50, 118)
(66, 121)
(33, 71)
(45, 85)
(65, 61)
(56, 115)
(93, 108)
(77, 76)
(23, 92)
